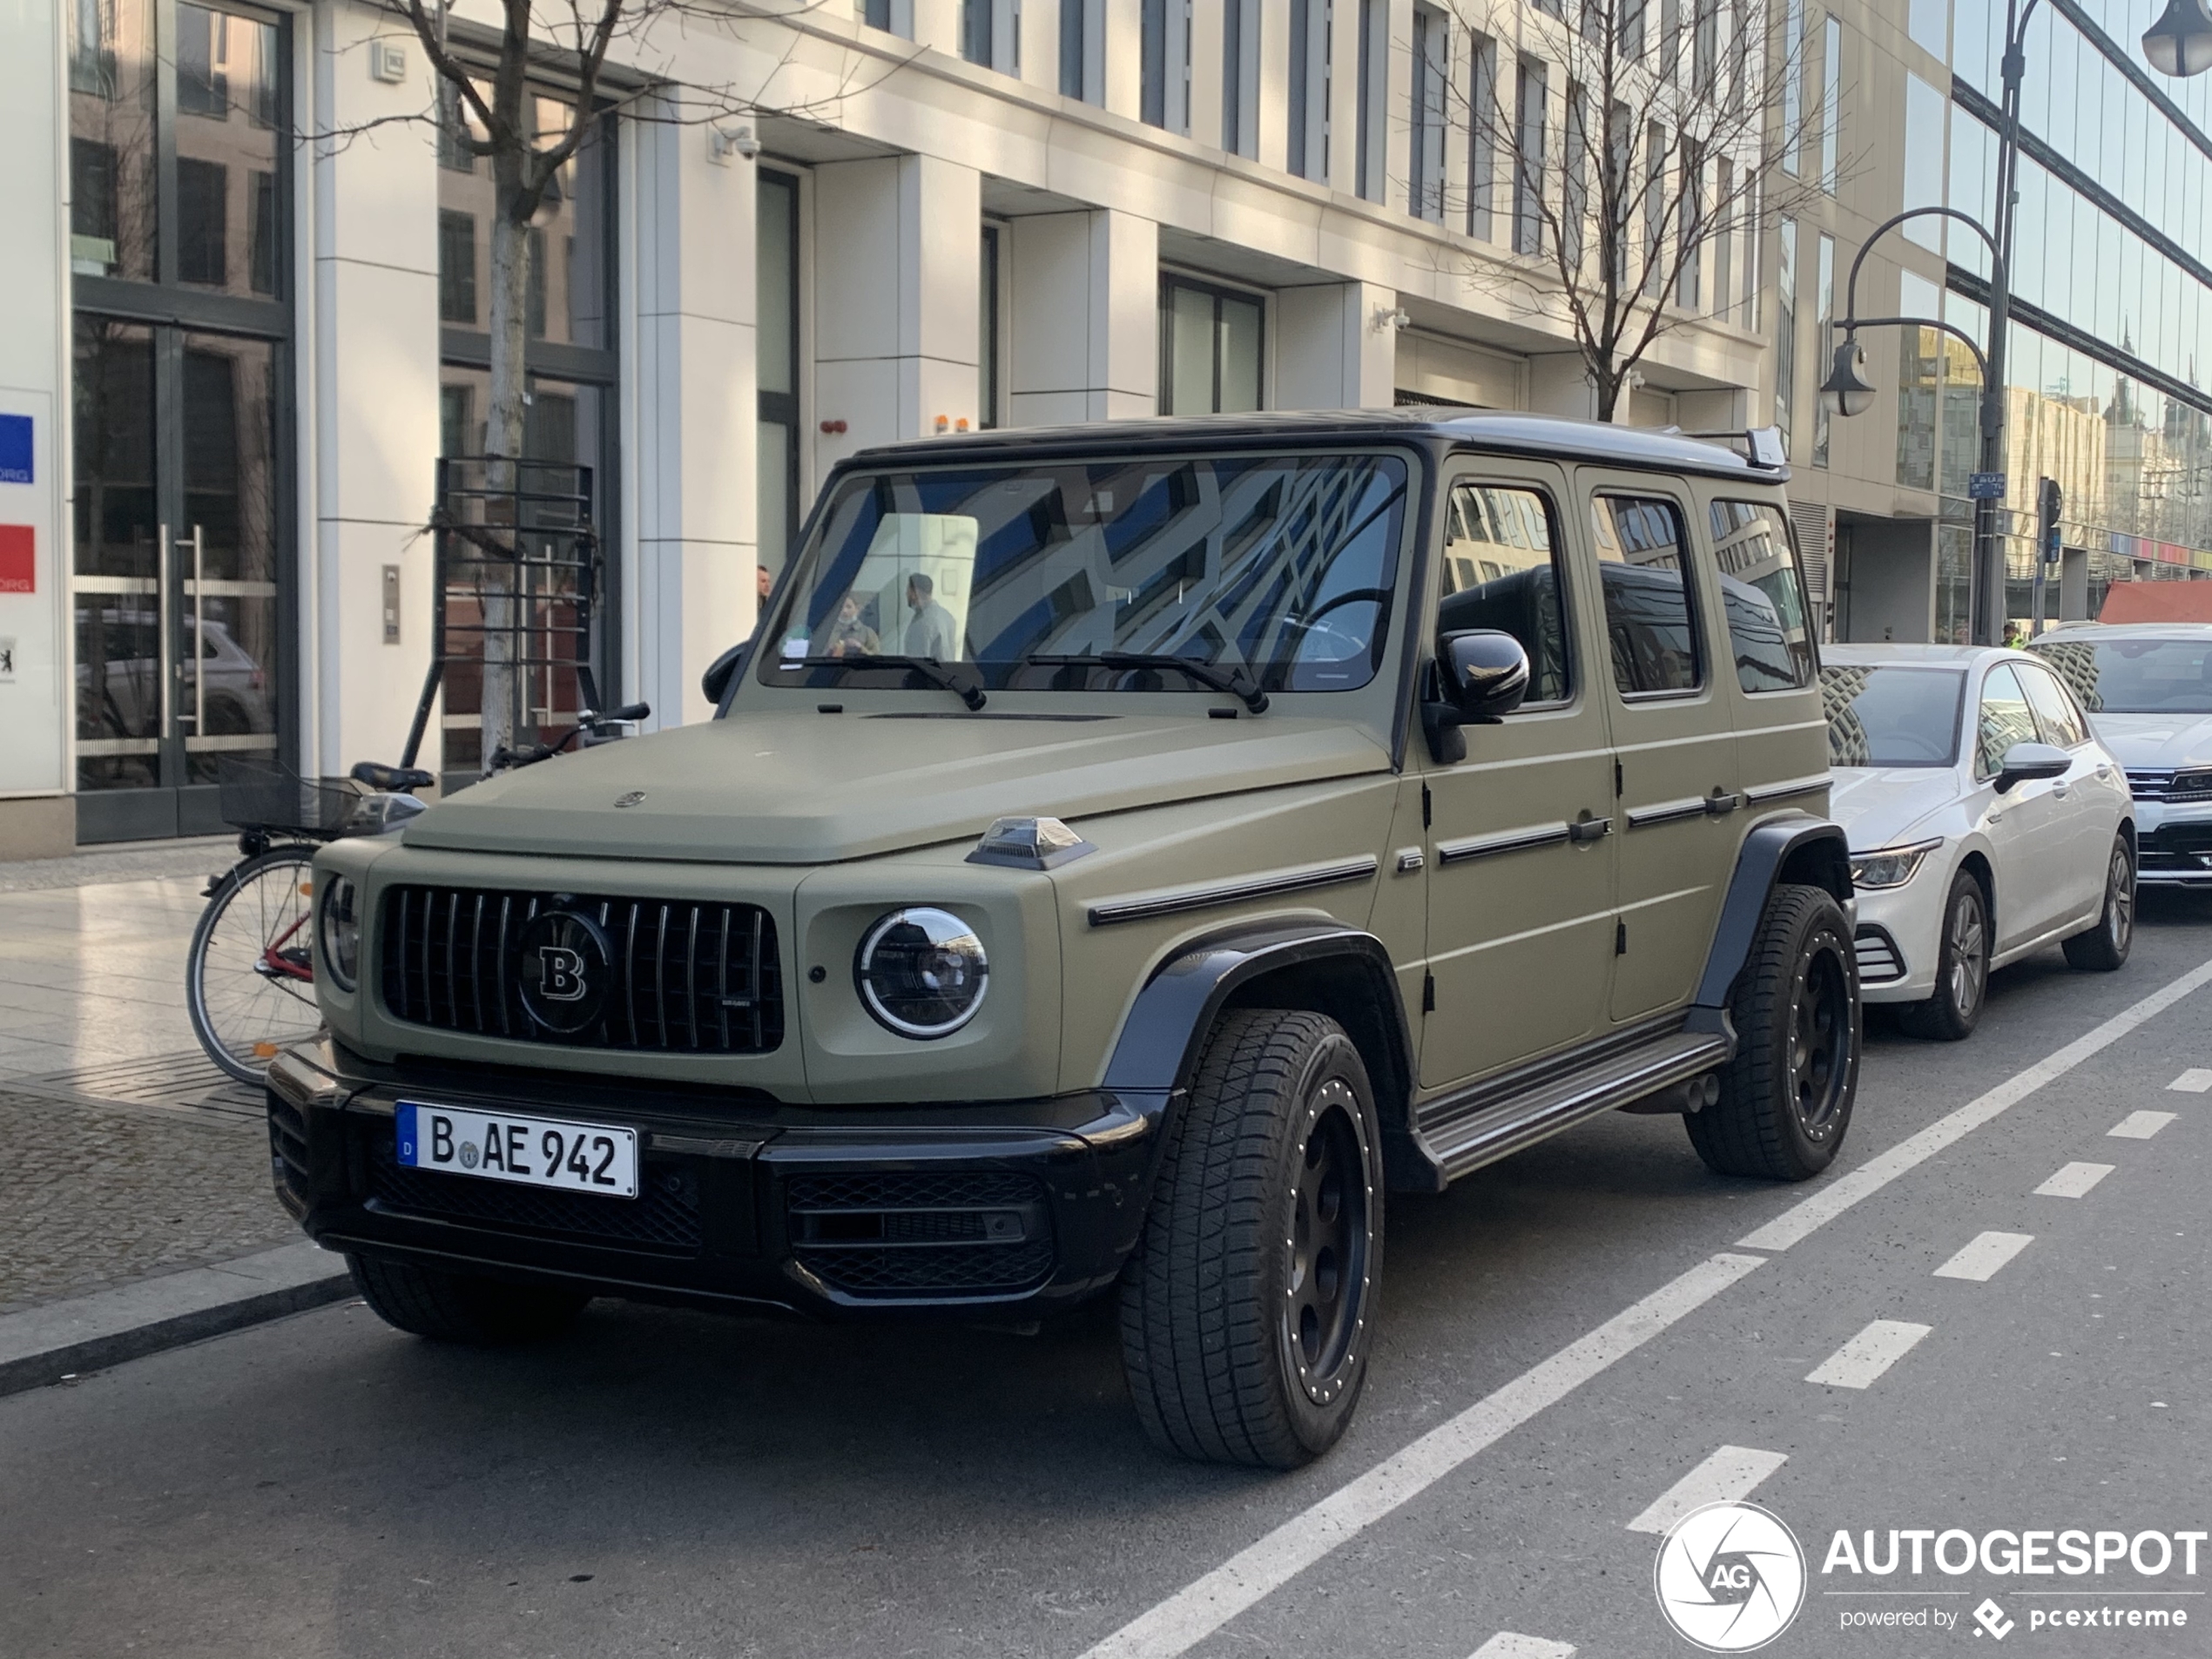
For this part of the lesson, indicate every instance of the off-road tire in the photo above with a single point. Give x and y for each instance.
(457, 1307)
(1213, 1298)
(1795, 1013)
(1949, 1015)
(2104, 947)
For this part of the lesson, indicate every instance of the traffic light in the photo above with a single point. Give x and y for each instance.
(2048, 499)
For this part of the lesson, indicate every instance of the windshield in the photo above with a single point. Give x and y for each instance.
(2135, 675)
(1278, 567)
(1891, 717)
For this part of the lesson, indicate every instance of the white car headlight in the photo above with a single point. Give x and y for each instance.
(921, 972)
(341, 930)
(1891, 867)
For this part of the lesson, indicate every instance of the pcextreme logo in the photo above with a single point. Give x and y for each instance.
(1730, 1577)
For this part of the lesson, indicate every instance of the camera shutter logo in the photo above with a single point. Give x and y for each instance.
(1730, 1577)
(565, 964)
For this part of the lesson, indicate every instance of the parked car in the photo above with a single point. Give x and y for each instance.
(2148, 688)
(118, 677)
(1307, 809)
(1986, 821)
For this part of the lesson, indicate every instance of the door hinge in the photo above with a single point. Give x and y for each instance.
(1428, 993)
(1620, 939)
(1616, 779)
(1427, 807)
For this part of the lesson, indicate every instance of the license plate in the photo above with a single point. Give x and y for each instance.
(597, 1158)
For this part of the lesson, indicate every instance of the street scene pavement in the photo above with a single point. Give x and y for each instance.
(1982, 1321)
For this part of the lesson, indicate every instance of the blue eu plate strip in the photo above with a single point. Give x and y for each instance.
(405, 1115)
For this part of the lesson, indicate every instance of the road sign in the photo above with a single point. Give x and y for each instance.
(1985, 486)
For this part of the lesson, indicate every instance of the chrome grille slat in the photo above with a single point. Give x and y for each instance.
(433, 977)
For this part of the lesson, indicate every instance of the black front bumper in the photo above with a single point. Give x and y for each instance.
(1012, 1208)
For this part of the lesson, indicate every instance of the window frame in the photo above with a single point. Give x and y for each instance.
(1171, 278)
(1796, 558)
(2025, 672)
(1701, 651)
(1981, 696)
(1562, 582)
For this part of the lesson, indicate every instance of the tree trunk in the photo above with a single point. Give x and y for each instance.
(504, 699)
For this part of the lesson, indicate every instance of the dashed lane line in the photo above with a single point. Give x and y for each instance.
(2140, 1126)
(2073, 1181)
(1202, 1606)
(1511, 1644)
(1728, 1474)
(1862, 1360)
(2196, 1081)
(1809, 1214)
(1981, 1258)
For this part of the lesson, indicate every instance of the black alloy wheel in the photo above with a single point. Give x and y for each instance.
(1326, 1266)
(2105, 946)
(1786, 1096)
(1962, 967)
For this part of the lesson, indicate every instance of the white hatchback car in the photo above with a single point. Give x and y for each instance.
(2147, 687)
(1985, 821)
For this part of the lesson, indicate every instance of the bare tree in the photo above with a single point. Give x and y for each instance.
(1630, 138)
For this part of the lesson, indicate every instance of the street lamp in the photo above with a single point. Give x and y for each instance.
(1847, 390)
(2180, 43)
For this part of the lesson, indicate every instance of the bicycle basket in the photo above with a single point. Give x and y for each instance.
(261, 794)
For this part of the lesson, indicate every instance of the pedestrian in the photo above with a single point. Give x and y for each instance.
(930, 634)
(849, 635)
(763, 583)
(2013, 637)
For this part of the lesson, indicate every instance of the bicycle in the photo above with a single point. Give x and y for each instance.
(249, 975)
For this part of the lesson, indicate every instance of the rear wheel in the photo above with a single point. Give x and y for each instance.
(1786, 1097)
(1962, 967)
(1248, 1310)
(249, 976)
(459, 1307)
(2104, 947)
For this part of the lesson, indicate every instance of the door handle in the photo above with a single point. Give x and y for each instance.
(1589, 829)
(166, 669)
(2057, 792)
(1722, 802)
(198, 626)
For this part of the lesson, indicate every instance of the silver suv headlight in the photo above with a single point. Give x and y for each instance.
(921, 972)
(341, 930)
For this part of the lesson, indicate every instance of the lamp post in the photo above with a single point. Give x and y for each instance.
(2180, 43)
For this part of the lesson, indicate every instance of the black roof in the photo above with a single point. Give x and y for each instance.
(1480, 431)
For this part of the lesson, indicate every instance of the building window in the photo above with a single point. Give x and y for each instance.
(1209, 349)
(1482, 138)
(1785, 328)
(1793, 91)
(875, 13)
(1075, 49)
(1723, 237)
(1431, 68)
(1574, 197)
(1240, 76)
(1831, 81)
(203, 217)
(1655, 208)
(1309, 100)
(1164, 89)
(1689, 215)
(975, 31)
(990, 370)
(1370, 147)
(1823, 337)
(1528, 174)
(457, 268)
(776, 252)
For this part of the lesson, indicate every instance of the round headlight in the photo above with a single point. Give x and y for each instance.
(921, 972)
(341, 930)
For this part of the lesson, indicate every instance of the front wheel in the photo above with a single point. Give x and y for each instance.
(249, 977)
(2104, 947)
(1248, 1312)
(1962, 967)
(1786, 1097)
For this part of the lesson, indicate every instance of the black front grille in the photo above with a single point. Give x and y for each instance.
(701, 978)
(2183, 849)
(952, 1233)
(289, 1149)
(2164, 783)
(1878, 959)
(664, 1216)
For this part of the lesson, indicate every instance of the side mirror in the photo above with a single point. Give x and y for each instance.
(1485, 673)
(723, 671)
(2027, 761)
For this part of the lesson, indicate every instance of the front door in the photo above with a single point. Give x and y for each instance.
(180, 279)
(1519, 855)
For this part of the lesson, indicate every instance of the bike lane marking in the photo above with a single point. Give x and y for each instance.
(1861, 1362)
(2140, 1126)
(2073, 1180)
(1729, 1474)
(1983, 1255)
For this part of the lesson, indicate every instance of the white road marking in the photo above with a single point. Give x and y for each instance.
(1198, 1610)
(2195, 1081)
(1802, 1218)
(1866, 1355)
(1511, 1644)
(1980, 1259)
(1729, 1474)
(2073, 1180)
(2140, 1126)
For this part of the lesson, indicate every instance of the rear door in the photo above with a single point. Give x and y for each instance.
(2088, 799)
(1673, 737)
(2025, 829)
(1520, 881)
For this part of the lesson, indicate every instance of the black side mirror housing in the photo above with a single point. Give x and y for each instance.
(1481, 676)
(723, 671)
(2025, 762)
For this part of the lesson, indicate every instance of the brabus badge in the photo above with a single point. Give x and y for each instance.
(632, 798)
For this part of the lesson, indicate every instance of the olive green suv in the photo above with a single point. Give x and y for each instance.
(1122, 859)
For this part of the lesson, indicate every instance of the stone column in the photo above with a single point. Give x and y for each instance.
(1331, 349)
(1085, 289)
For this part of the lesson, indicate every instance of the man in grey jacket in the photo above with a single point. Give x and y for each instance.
(930, 633)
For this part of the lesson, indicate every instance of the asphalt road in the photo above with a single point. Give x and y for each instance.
(664, 1483)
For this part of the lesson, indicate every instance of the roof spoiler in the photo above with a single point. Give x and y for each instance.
(1763, 447)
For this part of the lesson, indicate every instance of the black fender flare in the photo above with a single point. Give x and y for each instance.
(1790, 847)
(1166, 1028)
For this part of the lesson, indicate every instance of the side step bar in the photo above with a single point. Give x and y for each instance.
(1464, 1132)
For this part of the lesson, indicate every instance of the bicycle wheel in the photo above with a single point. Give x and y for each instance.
(249, 980)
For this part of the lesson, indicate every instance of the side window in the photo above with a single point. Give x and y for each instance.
(2062, 723)
(1650, 626)
(1764, 594)
(1502, 570)
(2004, 720)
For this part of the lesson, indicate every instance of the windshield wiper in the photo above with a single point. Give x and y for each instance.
(959, 678)
(1234, 680)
